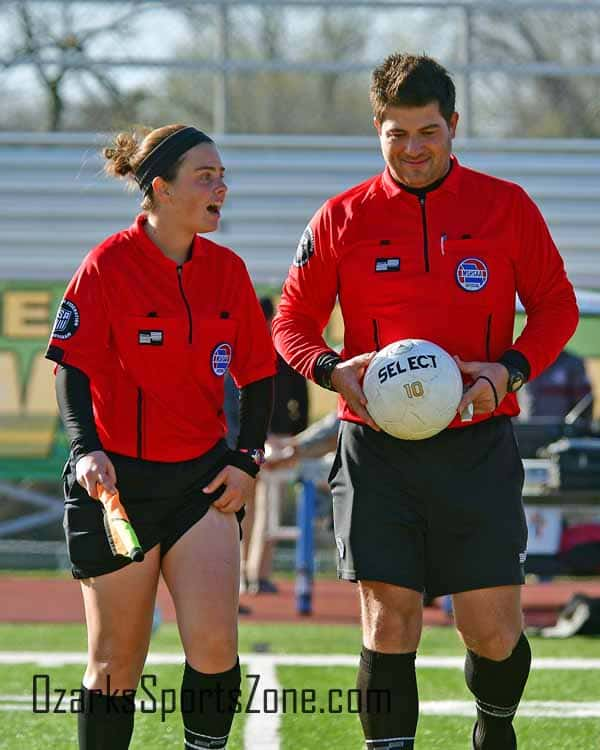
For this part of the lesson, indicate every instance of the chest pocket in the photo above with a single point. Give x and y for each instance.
(153, 350)
(479, 278)
(375, 276)
(477, 271)
(387, 294)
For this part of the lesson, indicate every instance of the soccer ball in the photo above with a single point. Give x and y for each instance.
(413, 389)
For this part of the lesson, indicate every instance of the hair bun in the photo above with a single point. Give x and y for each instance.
(121, 155)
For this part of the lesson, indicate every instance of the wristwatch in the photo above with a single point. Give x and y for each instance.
(256, 454)
(516, 379)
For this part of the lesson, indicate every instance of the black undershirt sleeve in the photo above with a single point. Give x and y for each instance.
(75, 407)
(256, 405)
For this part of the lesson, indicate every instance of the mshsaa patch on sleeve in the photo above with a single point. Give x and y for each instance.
(67, 320)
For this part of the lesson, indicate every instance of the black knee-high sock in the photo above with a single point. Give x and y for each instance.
(208, 704)
(497, 687)
(389, 706)
(105, 722)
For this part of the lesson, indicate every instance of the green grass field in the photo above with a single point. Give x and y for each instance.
(444, 732)
(321, 729)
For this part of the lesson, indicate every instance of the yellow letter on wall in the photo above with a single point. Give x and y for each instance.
(27, 314)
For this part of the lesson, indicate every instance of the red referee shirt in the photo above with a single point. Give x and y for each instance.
(155, 340)
(445, 267)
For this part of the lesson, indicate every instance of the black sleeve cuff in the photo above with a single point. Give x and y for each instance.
(323, 368)
(79, 451)
(54, 353)
(244, 462)
(513, 358)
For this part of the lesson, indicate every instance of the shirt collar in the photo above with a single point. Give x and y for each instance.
(149, 248)
(450, 183)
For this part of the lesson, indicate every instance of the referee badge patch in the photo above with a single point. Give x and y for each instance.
(472, 274)
(220, 359)
(305, 249)
(67, 320)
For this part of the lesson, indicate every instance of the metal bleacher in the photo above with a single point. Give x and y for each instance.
(55, 203)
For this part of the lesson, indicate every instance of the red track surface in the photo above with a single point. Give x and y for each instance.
(48, 600)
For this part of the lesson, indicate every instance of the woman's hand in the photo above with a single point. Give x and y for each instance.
(96, 467)
(238, 489)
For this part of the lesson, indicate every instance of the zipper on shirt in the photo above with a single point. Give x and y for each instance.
(376, 335)
(425, 240)
(488, 333)
(140, 421)
(187, 305)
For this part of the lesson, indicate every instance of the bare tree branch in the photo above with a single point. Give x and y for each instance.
(529, 37)
(66, 42)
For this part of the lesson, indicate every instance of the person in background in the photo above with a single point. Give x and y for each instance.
(313, 442)
(289, 417)
(558, 390)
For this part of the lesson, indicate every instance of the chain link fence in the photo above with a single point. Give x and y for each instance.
(523, 69)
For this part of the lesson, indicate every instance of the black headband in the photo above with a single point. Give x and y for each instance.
(166, 153)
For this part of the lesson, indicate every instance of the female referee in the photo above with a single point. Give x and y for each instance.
(149, 325)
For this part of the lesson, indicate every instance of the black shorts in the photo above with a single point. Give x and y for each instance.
(162, 500)
(442, 515)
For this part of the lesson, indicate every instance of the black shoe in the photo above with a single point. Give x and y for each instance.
(262, 586)
(265, 586)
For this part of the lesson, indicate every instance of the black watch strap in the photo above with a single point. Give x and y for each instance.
(518, 368)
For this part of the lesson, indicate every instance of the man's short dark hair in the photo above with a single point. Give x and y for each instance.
(411, 81)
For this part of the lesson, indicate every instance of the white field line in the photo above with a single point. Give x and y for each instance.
(531, 709)
(261, 730)
(264, 661)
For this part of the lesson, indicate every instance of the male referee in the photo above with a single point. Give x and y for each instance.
(430, 249)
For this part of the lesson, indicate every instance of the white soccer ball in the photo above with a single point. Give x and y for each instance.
(413, 389)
